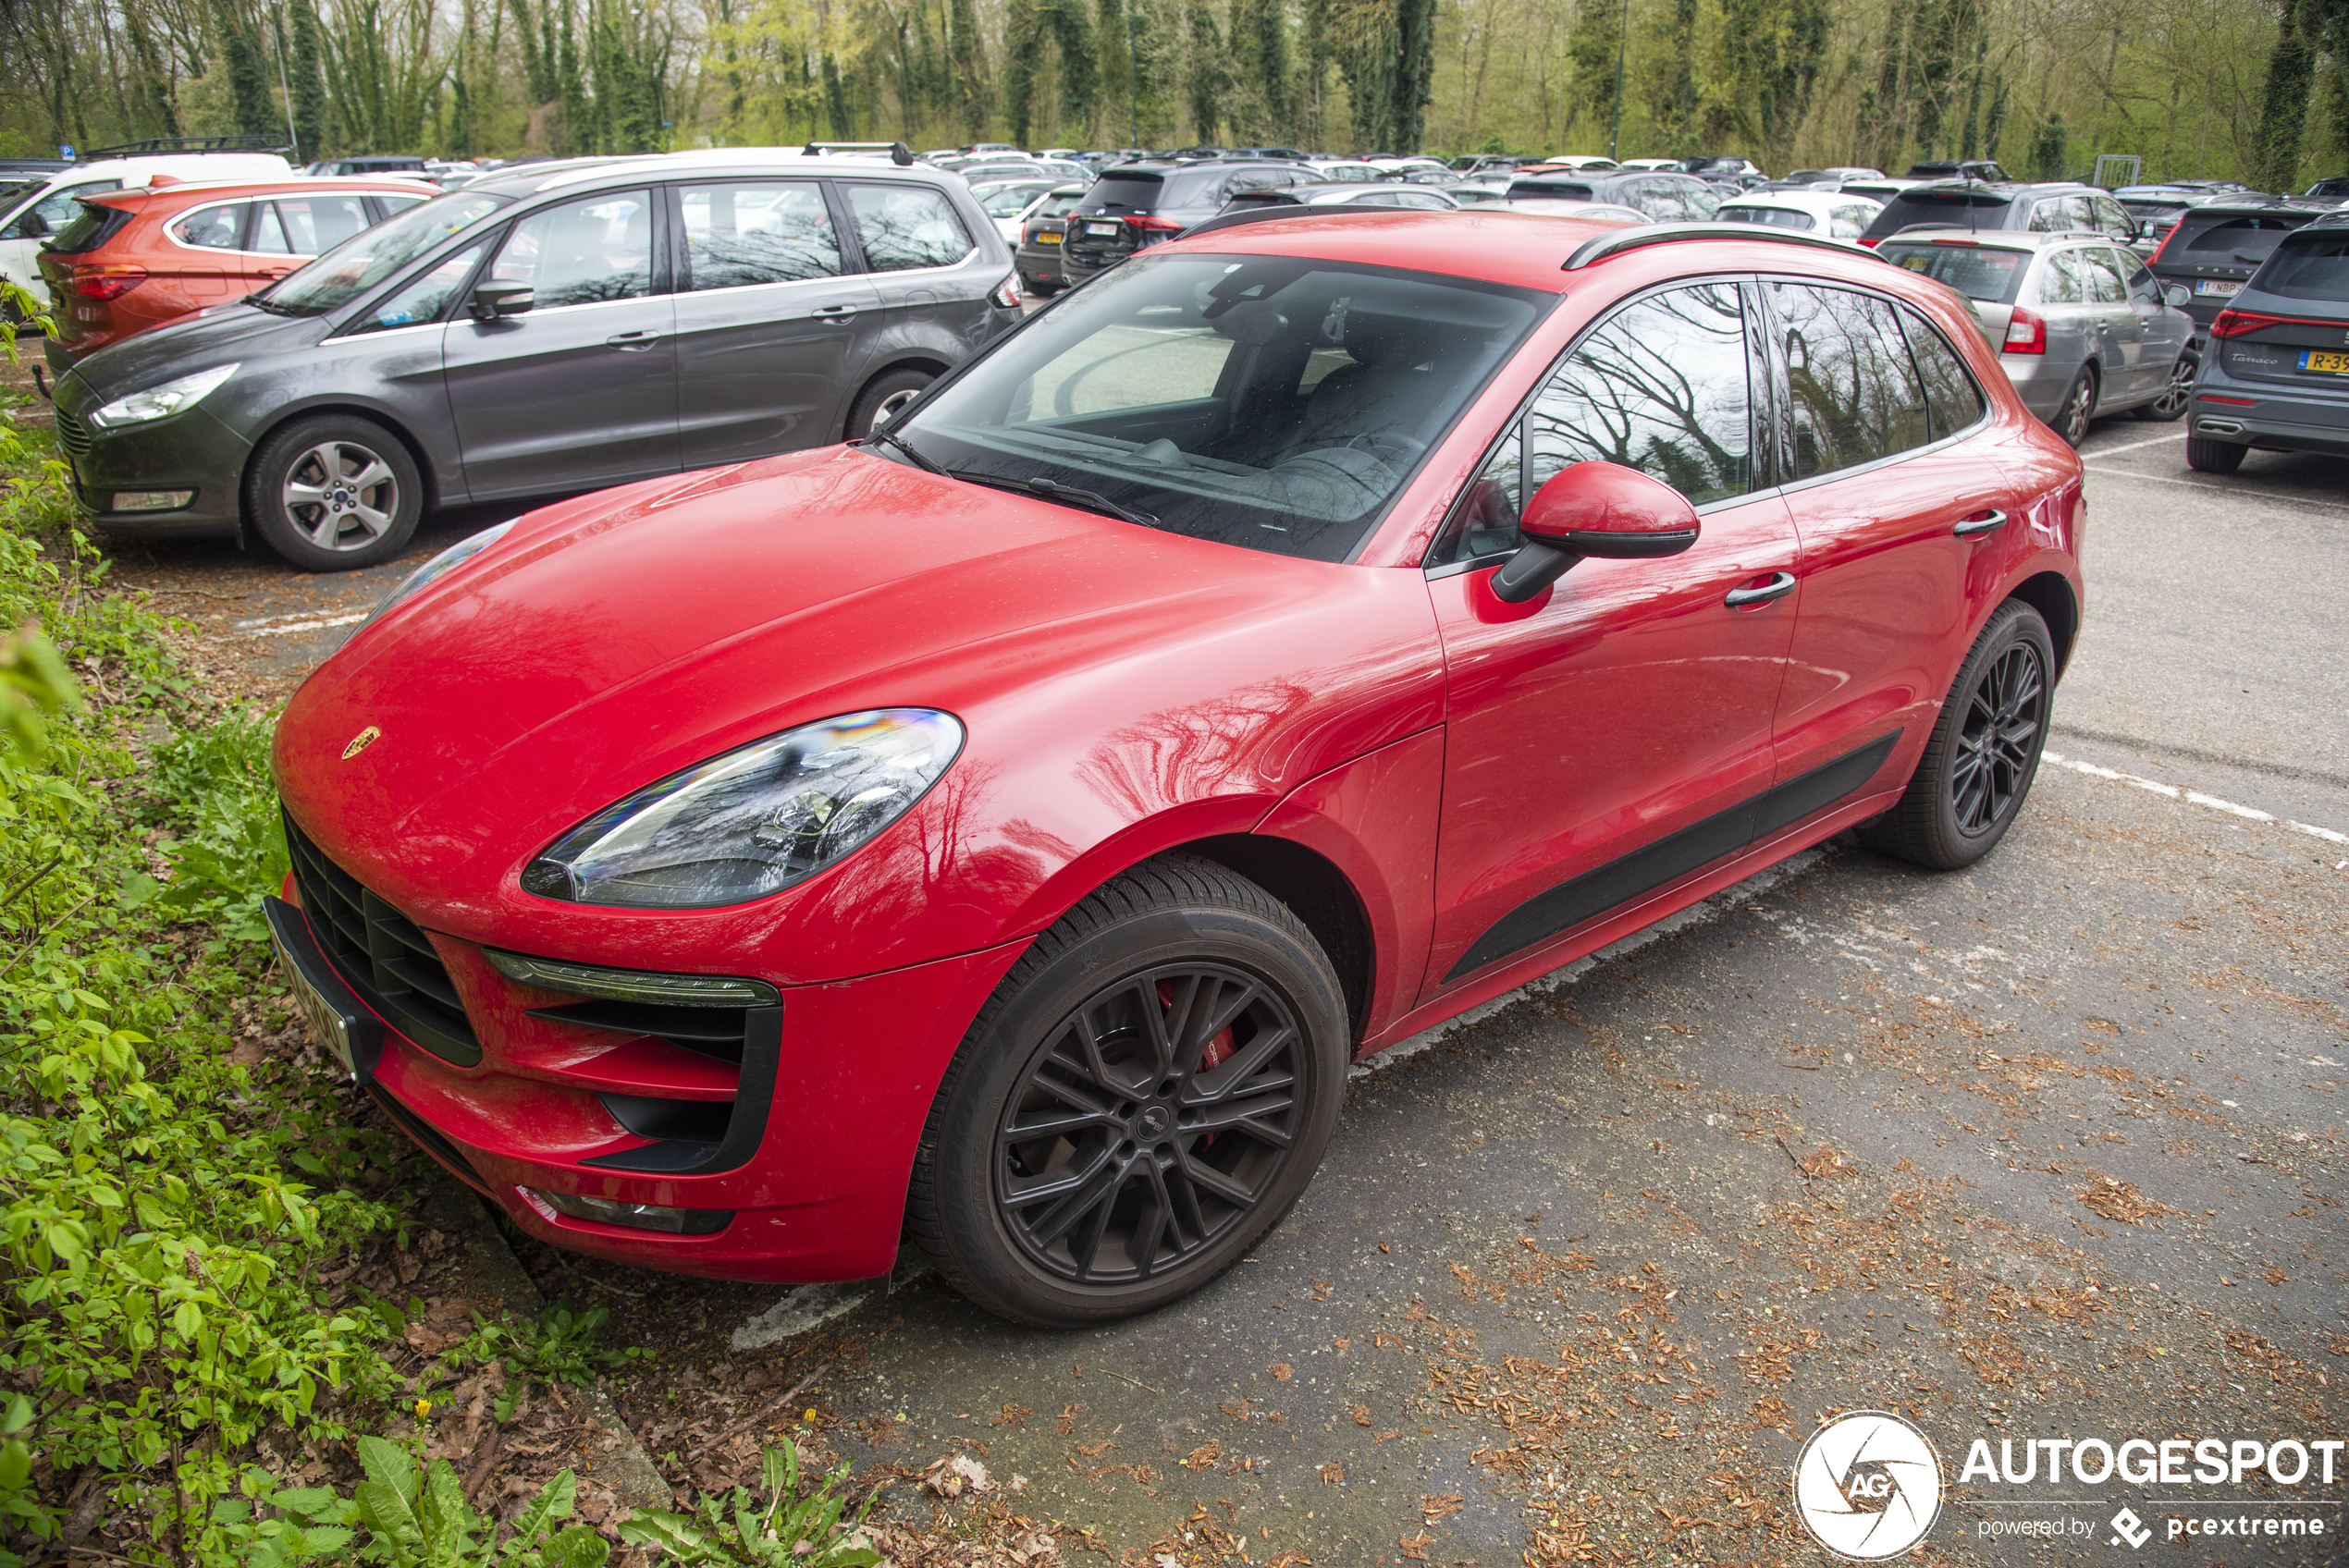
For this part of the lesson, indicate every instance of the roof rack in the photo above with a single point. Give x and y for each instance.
(157, 144)
(1605, 245)
(899, 154)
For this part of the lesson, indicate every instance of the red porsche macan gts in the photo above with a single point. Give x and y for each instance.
(1001, 835)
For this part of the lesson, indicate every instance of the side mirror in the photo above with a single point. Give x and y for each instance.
(492, 300)
(2176, 296)
(1594, 509)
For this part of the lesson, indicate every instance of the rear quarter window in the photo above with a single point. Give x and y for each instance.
(87, 229)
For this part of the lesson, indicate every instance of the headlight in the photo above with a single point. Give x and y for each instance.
(754, 820)
(439, 566)
(160, 402)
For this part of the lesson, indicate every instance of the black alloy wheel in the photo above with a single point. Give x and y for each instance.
(1984, 752)
(1151, 1121)
(2172, 404)
(2208, 454)
(1145, 1094)
(2078, 408)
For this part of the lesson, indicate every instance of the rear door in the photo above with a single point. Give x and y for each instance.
(918, 253)
(768, 316)
(1613, 736)
(1881, 474)
(580, 391)
(287, 231)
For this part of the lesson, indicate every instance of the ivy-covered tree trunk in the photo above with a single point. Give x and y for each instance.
(571, 77)
(1204, 77)
(967, 53)
(2283, 107)
(308, 87)
(248, 69)
(1312, 84)
(155, 82)
(1414, 72)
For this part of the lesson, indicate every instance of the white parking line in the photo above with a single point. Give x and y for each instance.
(2149, 441)
(279, 626)
(2193, 797)
(2215, 489)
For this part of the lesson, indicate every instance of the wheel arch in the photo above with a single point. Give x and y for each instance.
(902, 359)
(1317, 892)
(373, 415)
(2051, 595)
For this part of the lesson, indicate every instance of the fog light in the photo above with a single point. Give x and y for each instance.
(635, 1216)
(151, 500)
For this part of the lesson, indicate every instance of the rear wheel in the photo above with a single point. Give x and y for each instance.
(1147, 1094)
(2207, 455)
(2173, 403)
(884, 398)
(1984, 752)
(2079, 406)
(335, 492)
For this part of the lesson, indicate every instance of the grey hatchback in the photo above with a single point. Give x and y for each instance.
(2278, 374)
(2081, 326)
(562, 327)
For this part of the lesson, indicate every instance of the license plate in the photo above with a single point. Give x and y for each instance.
(1048, 240)
(1105, 230)
(2324, 363)
(329, 1026)
(2216, 288)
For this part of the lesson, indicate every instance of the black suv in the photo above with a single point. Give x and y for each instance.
(2213, 249)
(2046, 209)
(2277, 377)
(1140, 204)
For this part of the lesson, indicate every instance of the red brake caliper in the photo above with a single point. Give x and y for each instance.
(1218, 1049)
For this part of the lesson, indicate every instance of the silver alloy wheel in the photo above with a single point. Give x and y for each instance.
(2079, 408)
(2172, 401)
(894, 404)
(340, 496)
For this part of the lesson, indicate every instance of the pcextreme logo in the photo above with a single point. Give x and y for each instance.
(1868, 1486)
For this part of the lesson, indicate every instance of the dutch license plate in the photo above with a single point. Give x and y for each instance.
(1104, 230)
(2216, 287)
(2324, 363)
(328, 1024)
(1048, 240)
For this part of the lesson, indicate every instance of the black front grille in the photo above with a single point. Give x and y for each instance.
(381, 954)
(73, 436)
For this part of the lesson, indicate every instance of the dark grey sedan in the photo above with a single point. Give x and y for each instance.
(563, 327)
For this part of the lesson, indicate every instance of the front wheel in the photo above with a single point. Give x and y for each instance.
(335, 492)
(1145, 1095)
(884, 398)
(2172, 404)
(1985, 749)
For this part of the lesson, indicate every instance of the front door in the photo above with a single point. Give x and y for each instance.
(580, 391)
(1881, 480)
(1613, 736)
(2127, 371)
(766, 319)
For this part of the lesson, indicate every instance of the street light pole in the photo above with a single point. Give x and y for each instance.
(1133, 84)
(1622, 42)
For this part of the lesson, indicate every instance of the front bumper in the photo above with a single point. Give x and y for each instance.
(188, 451)
(806, 1142)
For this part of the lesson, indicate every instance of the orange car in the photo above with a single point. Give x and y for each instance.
(136, 259)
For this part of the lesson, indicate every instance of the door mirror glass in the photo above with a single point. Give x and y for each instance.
(492, 300)
(2176, 296)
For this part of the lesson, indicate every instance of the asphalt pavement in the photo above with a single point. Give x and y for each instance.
(2051, 1148)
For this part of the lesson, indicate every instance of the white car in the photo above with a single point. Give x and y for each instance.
(1009, 204)
(1837, 215)
(1650, 165)
(34, 213)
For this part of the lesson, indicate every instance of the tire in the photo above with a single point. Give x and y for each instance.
(335, 492)
(1044, 288)
(2172, 404)
(2078, 409)
(1985, 749)
(1067, 1038)
(2207, 454)
(885, 395)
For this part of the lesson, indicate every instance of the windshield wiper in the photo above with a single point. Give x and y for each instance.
(258, 303)
(877, 433)
(1099, 503)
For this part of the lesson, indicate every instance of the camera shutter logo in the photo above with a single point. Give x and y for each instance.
(1868, 1486)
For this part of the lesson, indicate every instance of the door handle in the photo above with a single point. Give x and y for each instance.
(1781, 584)
(1975, 527)
(633, 339)
(833, 313)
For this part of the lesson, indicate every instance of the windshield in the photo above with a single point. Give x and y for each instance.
(369, 256)
(1977, 272)
(1276, 403)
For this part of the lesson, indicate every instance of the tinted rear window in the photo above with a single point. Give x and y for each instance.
(1977, 272)
(1966, 208)
(1124, 192)
(2308, 266)
(2228, 241)
(91, 228)
(1572, 190)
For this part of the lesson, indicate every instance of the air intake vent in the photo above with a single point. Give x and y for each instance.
(381, 955)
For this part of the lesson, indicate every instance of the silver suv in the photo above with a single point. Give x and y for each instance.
(558, 328)
(2082, 328)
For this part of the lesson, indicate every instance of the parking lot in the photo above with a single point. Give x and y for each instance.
(2048, 1149)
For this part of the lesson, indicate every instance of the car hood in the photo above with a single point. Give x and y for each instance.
(191, 344)
(609, 642)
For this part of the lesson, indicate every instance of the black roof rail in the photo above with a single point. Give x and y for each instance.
(899, 154)
(158, 144)
(1602, 246)
(1265, 213)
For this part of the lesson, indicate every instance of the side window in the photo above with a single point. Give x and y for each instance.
(1661, 387)
(582, 251)
(1951, 395)
(2111, 216)
(748, 232)
(2065, 279)
(2143, 285)
(2047, 215)
(394, 205)
(424, 297)
(267, 237)
(906, 225)
(314, 224)
(210, 228)
(2104, 285)
(1855, 393)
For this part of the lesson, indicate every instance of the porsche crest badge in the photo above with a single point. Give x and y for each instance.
(361, 742)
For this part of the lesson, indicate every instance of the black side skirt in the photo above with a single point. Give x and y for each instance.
(1673, 856)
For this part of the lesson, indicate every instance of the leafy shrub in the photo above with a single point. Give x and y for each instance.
(789, 1532)
(228, 848)
(404, 1517)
